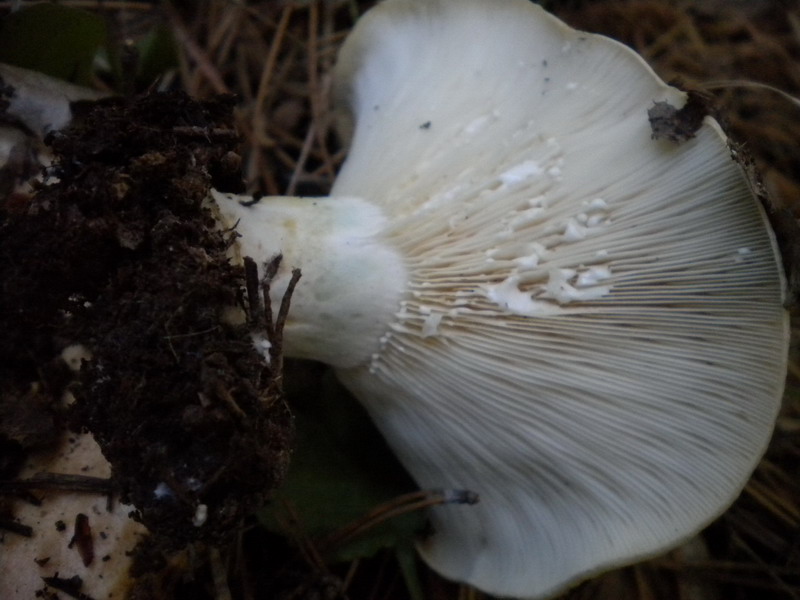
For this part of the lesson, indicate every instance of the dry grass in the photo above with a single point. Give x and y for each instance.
(277, 57)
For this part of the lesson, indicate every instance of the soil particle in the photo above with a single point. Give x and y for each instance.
(82, 539)
(678, 124)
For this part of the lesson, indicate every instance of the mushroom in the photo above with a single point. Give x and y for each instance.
(73, 533)
(534, 299)
(32, 105)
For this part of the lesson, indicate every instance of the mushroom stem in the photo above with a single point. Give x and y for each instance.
(352, 281)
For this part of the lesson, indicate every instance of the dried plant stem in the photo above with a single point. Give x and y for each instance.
(205, 67)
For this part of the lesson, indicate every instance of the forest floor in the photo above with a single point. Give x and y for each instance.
(276, 57)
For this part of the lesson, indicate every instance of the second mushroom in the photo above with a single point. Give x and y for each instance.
(534, 299)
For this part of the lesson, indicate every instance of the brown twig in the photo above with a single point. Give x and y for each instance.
(204, 65)
(70, 586)
(58, 481)
(395, 507)
(276, 341)
(266, 282)
(15, 527)
(316, 96)
(104, 5)
(251, 285)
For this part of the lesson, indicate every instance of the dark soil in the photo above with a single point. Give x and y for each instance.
(121, 255)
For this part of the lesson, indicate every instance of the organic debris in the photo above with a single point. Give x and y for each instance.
(121, 256)
(677, 125)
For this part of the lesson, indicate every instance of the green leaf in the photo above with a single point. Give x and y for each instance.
(52, 39)
(158, 53)
(340, 471)
(407, 559)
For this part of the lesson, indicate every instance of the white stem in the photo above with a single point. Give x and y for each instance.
(352, 281)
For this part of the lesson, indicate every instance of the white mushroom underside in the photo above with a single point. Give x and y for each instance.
(606, 369)
(50, 551)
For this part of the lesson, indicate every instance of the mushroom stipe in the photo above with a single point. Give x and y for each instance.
(534, 299)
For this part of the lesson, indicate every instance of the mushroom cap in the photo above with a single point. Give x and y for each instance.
(593, 336)
(50, 552)
(41, 102)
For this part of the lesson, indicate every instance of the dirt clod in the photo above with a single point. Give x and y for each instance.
(122, 255)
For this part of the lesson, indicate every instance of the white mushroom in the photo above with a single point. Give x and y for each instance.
(533, 299)
(40, 102)
(104, 558)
